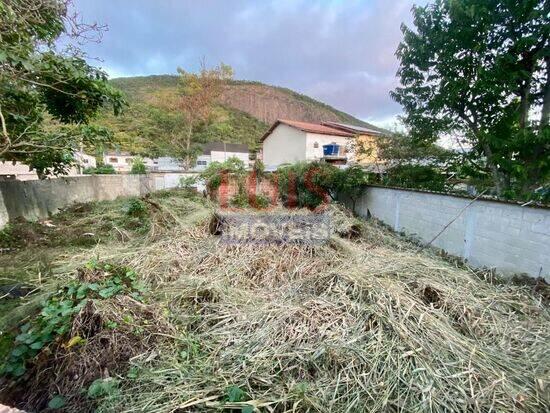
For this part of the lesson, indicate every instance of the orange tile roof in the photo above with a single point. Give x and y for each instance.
(308, 127)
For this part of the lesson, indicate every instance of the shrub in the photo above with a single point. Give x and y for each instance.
(100, 170)
(262, 201)
(212, 175)
(57, 313)
(136, 208)
(240, 200)
(416, 176)
(306, 184)
(188, 182)
(138, 166)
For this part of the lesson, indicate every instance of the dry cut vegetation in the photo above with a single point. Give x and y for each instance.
(364, 322)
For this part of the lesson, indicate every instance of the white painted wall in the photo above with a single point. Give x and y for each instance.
(284, 145)
(314, 154)
(508, 237)
(123, 163)
(40, 198)
(220, 156)
(22, 172)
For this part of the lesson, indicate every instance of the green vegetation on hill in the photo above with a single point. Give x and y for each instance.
(145, 125)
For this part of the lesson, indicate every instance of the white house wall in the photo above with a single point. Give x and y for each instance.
(313, 153)
(284, 145)
(219, 156)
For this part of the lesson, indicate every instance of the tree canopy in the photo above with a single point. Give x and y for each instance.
(479, 70)
(48, 97)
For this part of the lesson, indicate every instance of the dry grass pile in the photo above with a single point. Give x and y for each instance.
(363, 322)
(360, 324)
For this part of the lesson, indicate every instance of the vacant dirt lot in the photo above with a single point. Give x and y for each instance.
(134, 305)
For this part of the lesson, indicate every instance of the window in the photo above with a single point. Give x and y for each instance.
(316, 145)
(85, 160)
(113, 160)
(129, 160)
(201, 163)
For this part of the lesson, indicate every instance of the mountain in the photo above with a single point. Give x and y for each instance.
(245, 111)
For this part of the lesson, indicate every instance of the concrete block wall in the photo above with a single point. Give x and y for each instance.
(507, 237)
(38, 199)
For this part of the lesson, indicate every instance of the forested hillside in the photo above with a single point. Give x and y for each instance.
(244, 113)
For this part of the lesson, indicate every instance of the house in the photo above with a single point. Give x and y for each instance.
(290, 141)
(122, 161)
(22, 172)
(221, 152)
(368, 138)
(167, 164)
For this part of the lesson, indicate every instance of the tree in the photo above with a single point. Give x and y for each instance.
(198, 95)
(47, 98)
(478, 70)
(138, 166)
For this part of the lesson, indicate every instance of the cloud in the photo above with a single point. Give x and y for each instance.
(340, 52)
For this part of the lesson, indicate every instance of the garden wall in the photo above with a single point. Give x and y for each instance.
(508, 237)
(40, 198)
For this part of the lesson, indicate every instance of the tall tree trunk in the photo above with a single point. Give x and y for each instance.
(499, 177)
(545, 114)
(525, 90)
(188, 147)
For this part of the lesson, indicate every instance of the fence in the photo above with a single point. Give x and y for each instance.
(508, 237)
(40, 198)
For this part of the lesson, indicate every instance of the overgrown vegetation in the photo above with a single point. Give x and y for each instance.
(281, 327)
(100, 170)
(37, 82)
(138, 166)
(499, 103)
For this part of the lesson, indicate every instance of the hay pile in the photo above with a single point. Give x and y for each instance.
(360, 324)
(364, 322)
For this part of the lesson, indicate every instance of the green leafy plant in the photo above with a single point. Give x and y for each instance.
(38, 83)
(56, 402)
(306, 184)
(7, 237)
(188, 182)
(235, 394)
(416, 176)
(56, 315)
(103, 388)
(212, 175)
(480, 71)
(240, 200)
(136, 208)
(138, 166)
(100, 170)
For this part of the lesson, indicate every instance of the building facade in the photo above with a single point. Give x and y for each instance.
(221, 152)
(288, 142)
(22, 172)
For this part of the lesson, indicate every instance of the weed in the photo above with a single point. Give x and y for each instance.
(136, 208)
(55, 318)
(7, 238)
(103, 388)
(240, 200)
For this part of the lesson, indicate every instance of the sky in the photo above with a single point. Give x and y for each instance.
(341, 52)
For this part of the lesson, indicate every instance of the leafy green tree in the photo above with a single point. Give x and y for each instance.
(478, 70)
(350, 182)
(47, 98)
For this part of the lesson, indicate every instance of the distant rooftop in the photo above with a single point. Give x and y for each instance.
(355, 129)
(224, 147)
(308, 127)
